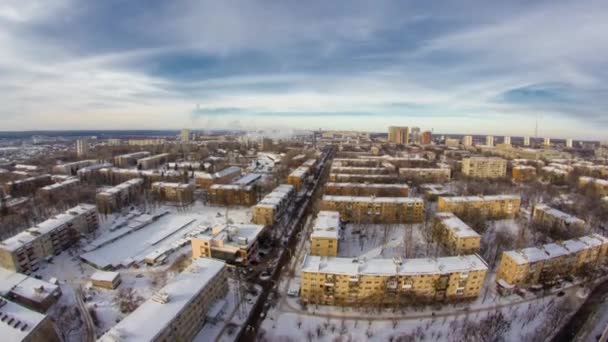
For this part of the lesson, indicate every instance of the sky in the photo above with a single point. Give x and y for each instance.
(476, 67)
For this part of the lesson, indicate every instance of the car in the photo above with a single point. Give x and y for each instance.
(561, 293)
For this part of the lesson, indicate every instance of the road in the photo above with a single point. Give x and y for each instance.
(303, 209)
(89, 326)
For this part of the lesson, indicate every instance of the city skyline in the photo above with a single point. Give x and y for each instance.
(468, 68)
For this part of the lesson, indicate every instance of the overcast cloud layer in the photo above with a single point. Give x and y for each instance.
(455, 66)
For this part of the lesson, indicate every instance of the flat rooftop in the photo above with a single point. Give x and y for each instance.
(372, 199)
(327, 225)
(154, 316)
(456, 225)
(24, 321)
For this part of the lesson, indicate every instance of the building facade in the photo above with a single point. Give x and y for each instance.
(115, 198)
(546, 215)
(442, 174)
(232, 194)
(493, 207)
(456, 236)
(234, 243)
(399, 135)
(376, 209)
(523, 173)
(173, 192)
(484, 167)
(388, 282)
(325, 234)
(364, 189)
(270, 209)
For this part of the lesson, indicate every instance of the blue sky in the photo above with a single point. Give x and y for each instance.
(454, 66)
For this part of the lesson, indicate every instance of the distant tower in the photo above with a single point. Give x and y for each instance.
(490, 140)
(82, 147)
(547, 141)
(185, 136)
(467, 140)
(526, 141)
(507, 140)
(569, 143)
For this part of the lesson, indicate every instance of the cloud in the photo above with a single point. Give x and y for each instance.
(158, 64)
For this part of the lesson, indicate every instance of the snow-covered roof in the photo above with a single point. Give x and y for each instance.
(154, 157)
(24, 321)
(481, 198)
(597, 181)
(367, 185)
(151, 318)
(122, 186)
(372, 199)
(105, 276)
(299, 172)
(553, 250)
(45, 227)
(277, 196)
(558, 214)
(172, 185)
(232, 236)
(456, 225)
(65, 183)
(327, 225)
(393, 267)
(248, 179)
(352, 175)
(231, 187)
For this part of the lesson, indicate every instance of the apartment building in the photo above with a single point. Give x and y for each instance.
(426, 138)
(205, 180)
(493, 207)
(361, 170)
(24, 251)
(174, 192)
(348, 281)
(115, 176)
(22, 324)
(433, 191)
(544, 214)
(153, 162)
(145, 142)
(73, 167)
(484, 167)
(366, 189)
(399, 135)
(232, 194)
(179, 310)
(371, 209)
(551, 262)
(31, 292)
(297, 177)
(426, 174)
(456, 236)
(269, 210)
(185, 135)
(325, 234)
(53, 191)
(115, 198)
(27, 186)
(600, 185)
(130, 159)
(523, 173)
(357, 178)
(234, 243)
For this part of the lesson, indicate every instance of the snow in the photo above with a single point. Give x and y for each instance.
(453, 223)
(26, 318)
(371, 199)
(105, 276)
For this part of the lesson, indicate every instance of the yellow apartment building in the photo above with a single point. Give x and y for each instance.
(173, 192)
(232, 194)
(601, 185)
(551, 262)
(550, 216)
(456, 236)
(523, 173)
(366, 189)
(484, 167)
(326, 233)
(369, 209)
(269, 210)
(387, 282)
(297, 177)
(234, 243)
(493, 207)
(442, 174)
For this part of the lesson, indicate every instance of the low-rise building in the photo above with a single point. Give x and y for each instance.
(358, 170)
(27, 186)
(72, 167)
(600, 185)
(456, 236)
(551, 262)
(348, 281)
(232, 194)
(442, 174)
(106, 280)
(369, 209)
(523, 173)
(22, 324)
(115, 198)
(24, 251)
(205, 180)
(325, 234)
(146, 142)
(366, 189)
(31, 292)
(130, 159)
(53, 191)
(297, 177)
(177, 311)
(433, 191)
(153, 162)
(484, 167)
(268, 211)
(356, 178)
(234, 243)
(174, 192)
(544, 214)
(493, 207)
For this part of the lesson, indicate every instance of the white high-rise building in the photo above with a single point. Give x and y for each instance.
(507, 141)
(569, 143)
(490, 140)
(82, 147)
(526, 141)
(547, 142)
(467, 140)
(185, 135)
